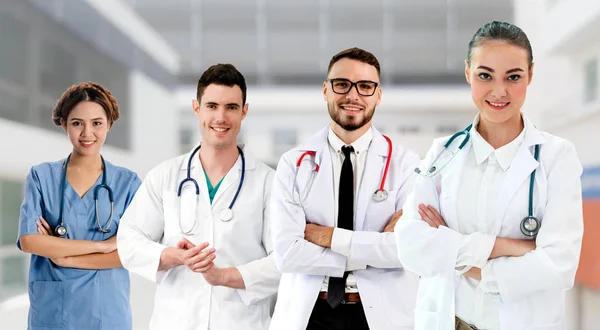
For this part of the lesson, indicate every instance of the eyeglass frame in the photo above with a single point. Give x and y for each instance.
(353, 84)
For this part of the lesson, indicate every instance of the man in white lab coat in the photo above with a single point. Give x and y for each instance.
(334, 205)
(206, 240)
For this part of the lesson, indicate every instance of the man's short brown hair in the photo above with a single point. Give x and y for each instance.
(356, 54)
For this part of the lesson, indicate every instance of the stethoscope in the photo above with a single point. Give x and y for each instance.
(379, 195)
(530, 225)
(226, 214)
(447, 154)
(61, 229)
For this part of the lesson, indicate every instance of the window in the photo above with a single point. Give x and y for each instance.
(283, 140)
(590, 88)
(13, 106)
(13, 273)
(446, 129)
(10, 203)
(13, 263)
(186, 139)
(13, 37)
(57, 69)
(408, 129)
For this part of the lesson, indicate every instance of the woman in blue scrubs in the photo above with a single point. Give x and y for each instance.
(76, 280)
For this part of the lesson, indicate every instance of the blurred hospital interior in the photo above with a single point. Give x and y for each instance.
(150, 54)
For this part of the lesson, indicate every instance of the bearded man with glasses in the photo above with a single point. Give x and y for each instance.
(336, 248)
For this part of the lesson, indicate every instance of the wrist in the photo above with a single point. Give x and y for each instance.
(99, 246)
(62, 262)
(225, 276)
(66, 262)
(169, 258)
(328, 237)
(232, 278)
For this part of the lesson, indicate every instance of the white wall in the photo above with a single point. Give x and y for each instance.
(154, 124)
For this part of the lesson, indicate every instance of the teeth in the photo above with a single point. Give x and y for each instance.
(219, 129)
(351, 108)
(86, 143)
(498, 104)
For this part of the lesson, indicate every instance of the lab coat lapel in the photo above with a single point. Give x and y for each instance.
(197, 173)
(319, 205)
(451, 177)
(371, 178)
(232, 179)
(519, 171)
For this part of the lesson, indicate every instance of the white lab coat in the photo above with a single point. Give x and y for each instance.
(387, 292)
(184, 300)
(532, 287)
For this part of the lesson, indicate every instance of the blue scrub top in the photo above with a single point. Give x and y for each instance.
(69, 298)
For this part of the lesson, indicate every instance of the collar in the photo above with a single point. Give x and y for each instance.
(360, 145)
(250, 162)
(319, 142)
(505, 154)
(109, 169)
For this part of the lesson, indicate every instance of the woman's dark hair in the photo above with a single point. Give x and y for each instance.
(87, 91)
(501, 31)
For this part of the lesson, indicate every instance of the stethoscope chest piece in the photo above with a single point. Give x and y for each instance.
(226, 214)
(380, 195)
(530, 226)
(60, 231)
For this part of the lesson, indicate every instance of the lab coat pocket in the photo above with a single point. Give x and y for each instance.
(47, 304)
(426, 320)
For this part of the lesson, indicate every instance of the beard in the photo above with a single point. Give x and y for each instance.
(349, 123)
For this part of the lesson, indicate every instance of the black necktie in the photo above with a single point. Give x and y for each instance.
(337, 285)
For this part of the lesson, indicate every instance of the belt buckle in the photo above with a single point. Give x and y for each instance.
(344, 302)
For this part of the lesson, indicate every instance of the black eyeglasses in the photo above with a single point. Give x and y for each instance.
(363, 87)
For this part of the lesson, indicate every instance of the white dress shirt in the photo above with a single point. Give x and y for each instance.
(340, 242)
(477, 302)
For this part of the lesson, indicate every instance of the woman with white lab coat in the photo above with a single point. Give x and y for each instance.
(461, 228)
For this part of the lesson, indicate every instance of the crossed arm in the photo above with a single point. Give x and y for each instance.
(322, 236)
(503, 247)
(83, 254)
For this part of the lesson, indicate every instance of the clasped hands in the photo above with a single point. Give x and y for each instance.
(200, 259)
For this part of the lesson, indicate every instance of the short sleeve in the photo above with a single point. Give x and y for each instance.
(31, 208)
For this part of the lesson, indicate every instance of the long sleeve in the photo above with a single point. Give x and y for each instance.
(261, 277)
(141, 230)
(553, 264)
(377, 249)
(292, 252)
(421, 249)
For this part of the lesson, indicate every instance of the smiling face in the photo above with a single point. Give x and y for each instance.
(499, 73)
(87, 126)
(351, 110)
(221, 111)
